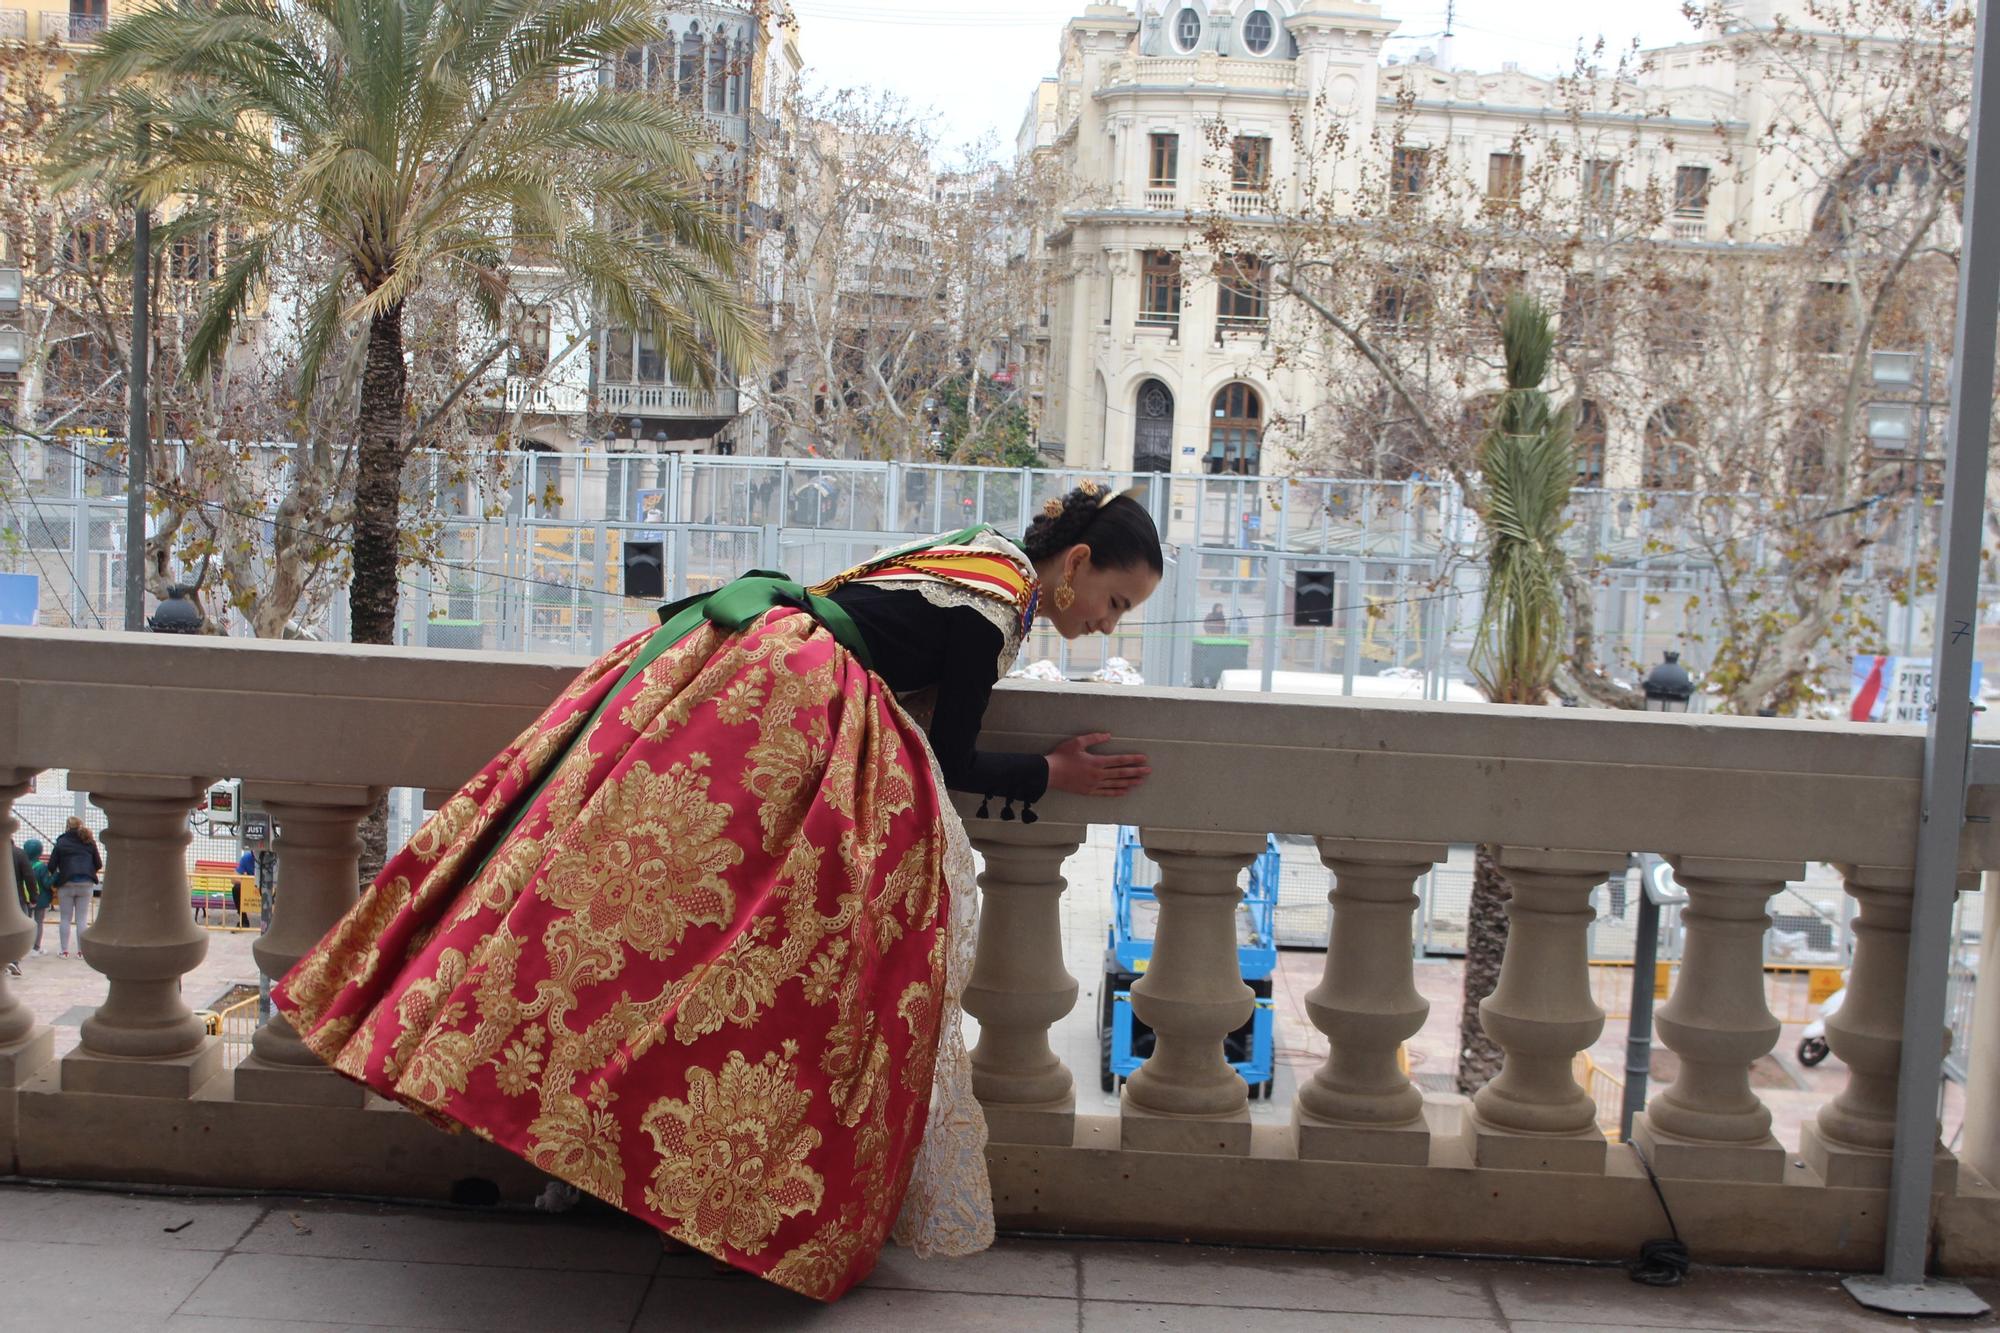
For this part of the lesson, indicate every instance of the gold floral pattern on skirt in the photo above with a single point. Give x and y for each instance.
(681, 948)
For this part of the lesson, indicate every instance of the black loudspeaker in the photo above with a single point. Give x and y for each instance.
(645, 570)
(1312, 598)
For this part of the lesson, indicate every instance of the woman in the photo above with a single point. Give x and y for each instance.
(76, 864)
(694, 943)
(42, 888)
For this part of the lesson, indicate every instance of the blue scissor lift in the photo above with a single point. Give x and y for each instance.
(1124, 1041)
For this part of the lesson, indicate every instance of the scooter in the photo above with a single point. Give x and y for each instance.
(1812, 1042)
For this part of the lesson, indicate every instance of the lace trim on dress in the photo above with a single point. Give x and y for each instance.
(939, 592)
(948, 1212)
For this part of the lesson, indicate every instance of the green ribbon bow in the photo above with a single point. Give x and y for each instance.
(734, 606)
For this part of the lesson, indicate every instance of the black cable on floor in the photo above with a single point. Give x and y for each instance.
(1661, 1263)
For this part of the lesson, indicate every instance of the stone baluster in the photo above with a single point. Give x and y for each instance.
(1360, 1105)
(1186, 1097)
(1850, 1141)
(143, 1040)
(1019, 987)
(1534, 1116)
(25, 1046)
(319, 851)
(1708, 1124)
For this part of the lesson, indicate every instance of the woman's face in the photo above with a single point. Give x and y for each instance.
(1103, 596)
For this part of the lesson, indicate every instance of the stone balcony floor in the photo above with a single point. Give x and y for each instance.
(76, 1260)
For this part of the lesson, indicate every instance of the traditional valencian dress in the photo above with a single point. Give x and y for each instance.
(695, 941)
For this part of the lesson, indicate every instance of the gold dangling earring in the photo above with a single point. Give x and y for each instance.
(1065, 595)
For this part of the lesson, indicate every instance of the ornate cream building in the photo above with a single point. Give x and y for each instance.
(1165, 113)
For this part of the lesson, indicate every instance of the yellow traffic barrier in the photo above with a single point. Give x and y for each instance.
(1792, 990)
(1605, 1088)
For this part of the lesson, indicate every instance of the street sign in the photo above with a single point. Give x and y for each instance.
(222, 801)
(1895, 689)
(20, 598)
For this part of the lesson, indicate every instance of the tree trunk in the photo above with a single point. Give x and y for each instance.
(1485, 944)
(378, 486)
(374, 833)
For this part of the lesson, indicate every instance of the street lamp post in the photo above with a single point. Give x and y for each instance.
(176, 614)
(1893, 427)
(1668, 687)
(138, 462)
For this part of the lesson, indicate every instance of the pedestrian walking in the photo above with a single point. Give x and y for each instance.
(77, 862)
(41, 894)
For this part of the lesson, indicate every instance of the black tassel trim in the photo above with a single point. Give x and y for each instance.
(1007, 810)
(1028, 815)
(981, 812)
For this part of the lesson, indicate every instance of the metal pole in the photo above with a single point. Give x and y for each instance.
(1273, 595)
(136, 452)
(1947, 744)
(1639, 1029)
(1916, 510)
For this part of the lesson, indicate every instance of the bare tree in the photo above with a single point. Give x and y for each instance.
(904, 282)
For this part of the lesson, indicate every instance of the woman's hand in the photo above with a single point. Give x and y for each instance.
(1073, 769)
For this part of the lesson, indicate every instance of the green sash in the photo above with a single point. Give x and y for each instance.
(734, 606)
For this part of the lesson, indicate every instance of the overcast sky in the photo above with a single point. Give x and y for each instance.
(976, 61)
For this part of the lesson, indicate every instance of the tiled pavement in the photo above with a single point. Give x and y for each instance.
(80, 1260)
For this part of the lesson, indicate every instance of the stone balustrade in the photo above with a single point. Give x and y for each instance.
(317, 732)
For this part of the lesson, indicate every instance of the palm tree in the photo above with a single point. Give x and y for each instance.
(418, 145)
(1527, 465)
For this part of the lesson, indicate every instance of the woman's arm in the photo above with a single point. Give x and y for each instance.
(971, 666)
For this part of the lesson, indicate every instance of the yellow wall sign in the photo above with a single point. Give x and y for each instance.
(1822, 982)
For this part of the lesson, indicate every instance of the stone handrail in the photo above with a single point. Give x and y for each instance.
(1616, 782)
(1162, 71)
(317, 732)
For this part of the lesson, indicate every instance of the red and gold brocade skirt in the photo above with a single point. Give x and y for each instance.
(688, 957)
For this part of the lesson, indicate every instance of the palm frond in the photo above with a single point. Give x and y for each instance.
(226, 304)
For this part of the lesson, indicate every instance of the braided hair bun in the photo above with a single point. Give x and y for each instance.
(1117, 528)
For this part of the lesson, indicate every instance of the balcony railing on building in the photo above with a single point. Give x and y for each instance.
(1383, 790)
(1155, 71)
(71, 29)
(1690, 226)
(13, 25)
(667, 400)
(1163, 198)
(524, 395)
(1248, 326)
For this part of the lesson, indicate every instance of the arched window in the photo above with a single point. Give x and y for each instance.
(718, 73)
(1893, 177)
(630, 75)
(691, 57)
(1236, 431)
(1670, 449)
(1187, 29)
(1259, 32)
(1589, 439)
(1153, 429)
(659, 74)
